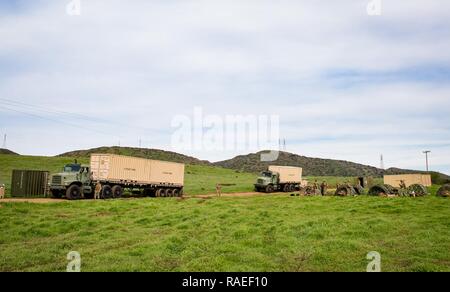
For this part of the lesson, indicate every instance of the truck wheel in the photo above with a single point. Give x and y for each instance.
(56, 194)
(169, 192)
(180, 193)
(73, 192)
(286, 188)
(117, 191)
(176, 193)
(106, 192)
(269, 189)
(292, 188)
(444, 191)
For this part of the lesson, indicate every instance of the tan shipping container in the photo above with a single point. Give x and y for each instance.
(409, 179)
(134, 170)
(288, 173)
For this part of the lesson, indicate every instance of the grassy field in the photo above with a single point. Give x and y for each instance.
(199, 179)
(263, 233)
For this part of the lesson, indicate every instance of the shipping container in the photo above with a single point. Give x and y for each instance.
(139, 171)
(409, 179)
(29, 183)
(288, 174)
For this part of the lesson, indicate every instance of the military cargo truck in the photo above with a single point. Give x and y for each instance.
(115, 173)
(279, 178)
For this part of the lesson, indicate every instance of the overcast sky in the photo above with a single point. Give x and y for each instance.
(346, 85)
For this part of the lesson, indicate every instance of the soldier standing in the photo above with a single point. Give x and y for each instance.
(323, 188)
(402, 184)
(2, 191)
(98, 190)
(219, 190)
(315, 187)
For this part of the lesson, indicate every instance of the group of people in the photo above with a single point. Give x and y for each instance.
(322, 188)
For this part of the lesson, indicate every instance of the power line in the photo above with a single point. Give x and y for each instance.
(56, 121)
(77, 116)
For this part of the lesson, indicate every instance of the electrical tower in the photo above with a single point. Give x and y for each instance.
(4, 142)
(381, 162)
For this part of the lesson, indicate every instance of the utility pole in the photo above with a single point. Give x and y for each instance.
(426, 157)
(381, 162)
(4, 142)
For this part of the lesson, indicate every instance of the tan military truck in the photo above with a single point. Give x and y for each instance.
(116, 173)
(279, 178)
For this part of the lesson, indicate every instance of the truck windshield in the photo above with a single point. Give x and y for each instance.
(72, 168)
(266, 174)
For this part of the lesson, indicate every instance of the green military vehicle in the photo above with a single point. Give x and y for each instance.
(115, 173)
(73, 182)
(279, 178)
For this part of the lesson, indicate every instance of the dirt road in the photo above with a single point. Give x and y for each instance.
(207, 196)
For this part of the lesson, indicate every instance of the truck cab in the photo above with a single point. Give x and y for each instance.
(73, 182)
(267, 181)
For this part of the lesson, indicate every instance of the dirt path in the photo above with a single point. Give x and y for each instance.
(31, 200)
(206, 196)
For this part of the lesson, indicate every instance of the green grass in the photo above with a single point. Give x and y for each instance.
(266, 233)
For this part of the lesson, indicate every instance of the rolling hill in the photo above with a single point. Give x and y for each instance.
(6, 151)
(317, 166)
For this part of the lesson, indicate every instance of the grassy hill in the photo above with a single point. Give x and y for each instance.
(6, 151)
(317, 166)
(156, 154)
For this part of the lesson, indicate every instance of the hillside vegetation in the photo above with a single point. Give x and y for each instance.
(317, 166)
(7, 151)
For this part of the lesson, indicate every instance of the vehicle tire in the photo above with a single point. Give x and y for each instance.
(106, 192)
(292, 188)
(73, 193)
(359, 190)
(176, 192)
(169, 193)
(444, 191)
(286, 188)
(180, 192)
(269, 189)
(57, 194)
(379, 190)
(417, 190)
(163, 193)
(117, 191)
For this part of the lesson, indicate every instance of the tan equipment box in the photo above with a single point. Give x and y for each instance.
(133, 170)
(409, 179)
(288, 174)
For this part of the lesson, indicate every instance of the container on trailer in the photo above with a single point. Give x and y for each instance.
(134, 170)
(288, 173)
(29, 183)
(409, 179)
